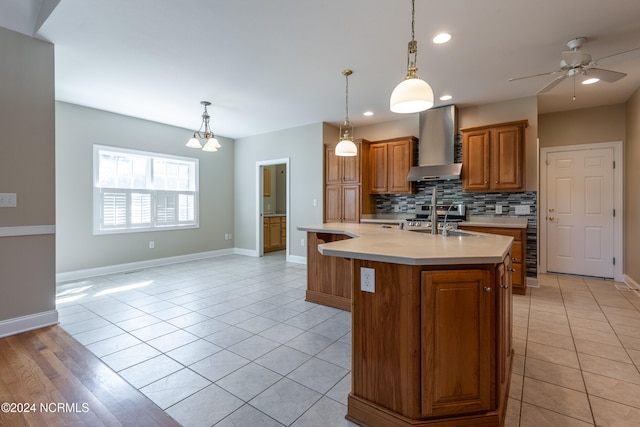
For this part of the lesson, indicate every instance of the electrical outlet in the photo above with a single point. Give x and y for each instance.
(367, 279)
(315, 202)
(523, 210)
(228, 236)
(396, 208)
(498, 209)
(301, 242)
(152, 244)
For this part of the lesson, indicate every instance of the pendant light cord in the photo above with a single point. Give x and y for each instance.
(346, 99)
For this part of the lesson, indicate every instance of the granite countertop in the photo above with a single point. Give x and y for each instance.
(390, 244)
(390, 218)
(274, 214)
(496, 221)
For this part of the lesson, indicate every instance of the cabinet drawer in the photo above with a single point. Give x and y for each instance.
(516, 278)
(516, 251)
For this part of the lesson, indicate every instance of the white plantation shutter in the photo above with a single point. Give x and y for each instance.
(114, 209)
(186, 207)
(141, 191)
(141, 208)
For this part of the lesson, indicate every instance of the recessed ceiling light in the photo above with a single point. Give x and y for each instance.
(442, 38)
(368, 113)
(590, 81)
(445, 97)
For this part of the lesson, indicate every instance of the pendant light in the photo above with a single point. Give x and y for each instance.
(206, 135)
(412, 94)
(346, 147)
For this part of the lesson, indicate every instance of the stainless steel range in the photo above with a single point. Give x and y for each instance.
(449, 214)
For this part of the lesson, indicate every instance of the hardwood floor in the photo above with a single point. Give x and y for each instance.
(49, 379)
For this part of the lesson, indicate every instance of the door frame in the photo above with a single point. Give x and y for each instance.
(618, 205)
(259, 202)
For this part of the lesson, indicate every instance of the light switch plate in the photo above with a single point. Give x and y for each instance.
(523, 210)
(367, 279)
(8, 200)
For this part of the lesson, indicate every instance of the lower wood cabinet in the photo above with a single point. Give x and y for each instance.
(431, 347)
(274, 233)
(518, 252)
(328, 278)
(457, 337)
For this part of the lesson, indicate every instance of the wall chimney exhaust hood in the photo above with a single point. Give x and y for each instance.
(438, 130)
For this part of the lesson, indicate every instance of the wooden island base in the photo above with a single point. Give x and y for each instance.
(432, 345)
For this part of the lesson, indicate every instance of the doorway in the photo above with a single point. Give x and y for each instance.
(581, 210)
(272, 206)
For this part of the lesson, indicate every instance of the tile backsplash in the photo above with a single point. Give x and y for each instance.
(450, 192)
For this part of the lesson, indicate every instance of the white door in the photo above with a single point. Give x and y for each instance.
(580, 212)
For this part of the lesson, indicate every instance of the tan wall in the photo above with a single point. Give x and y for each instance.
(632, 195)
(585, 126)
(27, 163)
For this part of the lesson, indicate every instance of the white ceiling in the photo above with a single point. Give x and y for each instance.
(271, 65)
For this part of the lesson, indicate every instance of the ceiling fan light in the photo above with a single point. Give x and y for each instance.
(194, 142)
(590, 81)
(411, 96)
(346, 148)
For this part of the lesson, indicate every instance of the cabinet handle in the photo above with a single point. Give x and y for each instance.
(496, 182)
(513, 270)
(487, 289)
(514, 259)
(504, 286)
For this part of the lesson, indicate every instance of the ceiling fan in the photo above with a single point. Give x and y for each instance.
(576, 62)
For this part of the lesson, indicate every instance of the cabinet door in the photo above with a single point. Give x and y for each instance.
(332, 166)
(378, 166)
(504, 319)
(507, 158)
(457, 341)
(333, 203)
(350, 203)
(475, 160)
(400, 159)
(274, 233)
(351, 168)
(265, 234)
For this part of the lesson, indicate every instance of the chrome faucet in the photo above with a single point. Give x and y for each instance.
(434, 211)
(445, 232)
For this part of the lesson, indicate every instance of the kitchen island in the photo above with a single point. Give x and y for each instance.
(431, 324)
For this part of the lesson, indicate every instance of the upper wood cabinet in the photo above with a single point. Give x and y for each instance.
(346, 196)
(493, 157)
(389, 162)
(266, 182)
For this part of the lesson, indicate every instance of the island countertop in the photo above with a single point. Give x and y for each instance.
(392, 245)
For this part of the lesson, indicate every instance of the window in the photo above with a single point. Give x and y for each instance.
(142, 191)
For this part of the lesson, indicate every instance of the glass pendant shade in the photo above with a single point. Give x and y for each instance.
(211, 145)
(411, 96)
(346, 148)
(194, 142)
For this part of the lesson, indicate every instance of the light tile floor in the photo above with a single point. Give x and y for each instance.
(230, 342)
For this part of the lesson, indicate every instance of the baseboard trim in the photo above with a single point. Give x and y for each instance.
(245, 252)
(28, 323)
(120, 268)
(631, 283)
(297, 259)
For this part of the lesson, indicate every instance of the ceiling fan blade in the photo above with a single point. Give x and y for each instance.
(626, 55)
(536, 75)
(552, 84)
(605, 75)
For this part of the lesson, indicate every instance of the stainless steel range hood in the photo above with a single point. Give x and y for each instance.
(438, 130)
